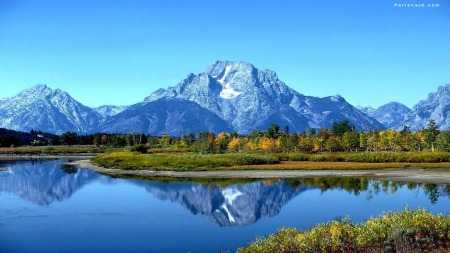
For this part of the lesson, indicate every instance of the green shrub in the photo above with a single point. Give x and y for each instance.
(140, 148)
(374, 157)
(282, 156)
(318, 158)
(48, 150)
(298, 157)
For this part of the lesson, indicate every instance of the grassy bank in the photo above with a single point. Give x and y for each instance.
(51, 150)
(403, 231)
(124, 159)
(128, 160)
(372, 157)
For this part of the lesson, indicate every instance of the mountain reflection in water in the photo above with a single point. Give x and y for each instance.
(225, 203)
(230, 205)
(43, 182)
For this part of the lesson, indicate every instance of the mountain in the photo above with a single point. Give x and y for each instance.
(42, 108)
(368, 110)
(174, 116)
(435, 107)
(248, 98)
(227, 96)
(391, 114)
(110, 110)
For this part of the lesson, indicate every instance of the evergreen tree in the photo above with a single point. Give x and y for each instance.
(431, 133)
(273, 132)
(341, 127)
(69, 138)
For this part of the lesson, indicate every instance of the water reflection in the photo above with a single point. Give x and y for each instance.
(227, 205)
(225, 202)
(43, 182)
(371, 187)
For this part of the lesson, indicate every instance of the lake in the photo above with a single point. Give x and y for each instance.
(46, 206)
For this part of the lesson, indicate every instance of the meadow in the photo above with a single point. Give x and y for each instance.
(157, 159)
(130, 160)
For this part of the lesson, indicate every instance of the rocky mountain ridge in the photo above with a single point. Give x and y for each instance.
(42, 108)
(435, 107)
(248, 98)
(391, 115)
(227, 96)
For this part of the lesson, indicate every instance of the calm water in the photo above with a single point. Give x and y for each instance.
(46, 206)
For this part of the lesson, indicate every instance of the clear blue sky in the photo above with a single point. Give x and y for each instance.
(118, 52)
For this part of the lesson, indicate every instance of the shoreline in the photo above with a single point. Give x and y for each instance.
(15, 157)
(415, 175)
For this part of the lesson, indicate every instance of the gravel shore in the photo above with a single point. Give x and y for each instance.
(417, 175)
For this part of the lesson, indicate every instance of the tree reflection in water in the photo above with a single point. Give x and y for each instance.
(371, 187)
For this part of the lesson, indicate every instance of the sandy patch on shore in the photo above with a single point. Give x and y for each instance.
(417, 175)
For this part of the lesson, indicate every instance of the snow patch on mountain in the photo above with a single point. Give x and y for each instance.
(227, 70)
(228, 92)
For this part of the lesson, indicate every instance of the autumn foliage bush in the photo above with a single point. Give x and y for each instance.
(404, 231)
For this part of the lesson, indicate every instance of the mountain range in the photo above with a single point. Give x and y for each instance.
(227, 96)
(391, 115)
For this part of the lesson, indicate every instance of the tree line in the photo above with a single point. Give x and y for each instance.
(342, 136)
(11, 138)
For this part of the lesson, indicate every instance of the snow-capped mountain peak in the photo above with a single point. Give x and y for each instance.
(40, 107)
(227, 96)
(249, 98)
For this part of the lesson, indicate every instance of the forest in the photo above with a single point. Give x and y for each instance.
(341, 137)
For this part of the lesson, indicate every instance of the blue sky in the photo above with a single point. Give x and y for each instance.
(118, 52)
